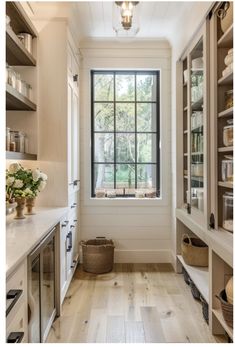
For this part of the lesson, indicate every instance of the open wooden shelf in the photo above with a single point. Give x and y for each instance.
(226, 184)
(20, 156)
(225, 149)
(219, 316)
(16, 53)
(185, 132)
(200, 277)
(185, 108)
(226, 80)
(226, 40)
(18, 102)
(19, 19)
(226, 113)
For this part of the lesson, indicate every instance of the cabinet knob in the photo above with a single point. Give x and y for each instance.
(212, 221)
(75, 220)
(75, 78)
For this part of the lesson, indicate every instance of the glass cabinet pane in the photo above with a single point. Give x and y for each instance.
(197, 131)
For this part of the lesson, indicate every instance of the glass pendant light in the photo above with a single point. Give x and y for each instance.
(126, 18)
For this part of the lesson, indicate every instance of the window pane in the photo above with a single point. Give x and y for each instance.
(125, 87)
(146, 148)
(104, 147)
(146, 117)
(103, 87)
(125, 176)
(103, 176)
(146, 87)
(104, 117)
(125, 148)
(125, 117)
(146, 176)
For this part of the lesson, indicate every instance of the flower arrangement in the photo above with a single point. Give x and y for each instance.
(25, 183)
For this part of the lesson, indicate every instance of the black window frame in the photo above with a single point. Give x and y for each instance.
(135, 102)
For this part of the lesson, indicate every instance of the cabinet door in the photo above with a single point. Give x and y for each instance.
(70, 135)
(75, 138)
(198, 117)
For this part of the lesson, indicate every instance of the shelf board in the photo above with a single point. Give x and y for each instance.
(185, 108)
(226, 40)
(196, 72)
(225, 149)
(200, 277)
(186, 177)
(185, 84)
(20, 21)
(226, 80)
(219, 315)
(185, 132)
(20, 156)
(185, 154)
(226, 184)
(226, 113)
(16, 53)
(18, 102)
(197, 105)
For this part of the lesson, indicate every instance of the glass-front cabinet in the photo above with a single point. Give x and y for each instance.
(194, 126)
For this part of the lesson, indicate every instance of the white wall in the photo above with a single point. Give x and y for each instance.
(141, 230)
(187, 25)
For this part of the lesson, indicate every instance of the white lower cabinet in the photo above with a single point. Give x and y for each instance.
(69, 247)
(16, 305)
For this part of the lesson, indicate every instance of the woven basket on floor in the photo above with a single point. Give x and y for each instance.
(227, 308)
(98, 255)
(194, 251)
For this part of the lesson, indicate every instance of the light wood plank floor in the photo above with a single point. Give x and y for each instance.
(134, 303)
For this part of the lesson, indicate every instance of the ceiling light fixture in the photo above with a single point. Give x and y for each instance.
(125, 18)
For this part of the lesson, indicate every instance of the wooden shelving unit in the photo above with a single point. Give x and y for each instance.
(226, 184)
(200, 277)
(20, 156)
(226, 113)
(18, 102)
(226, 80)
(225, 149)
(219, 316)
(16, 54)
(226, 40)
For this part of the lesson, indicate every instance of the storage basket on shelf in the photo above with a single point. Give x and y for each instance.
(205, 309)
(195, 292)
(98, 255)
(227, 308)
(194, 251)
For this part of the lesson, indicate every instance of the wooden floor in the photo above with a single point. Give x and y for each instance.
(134, 303)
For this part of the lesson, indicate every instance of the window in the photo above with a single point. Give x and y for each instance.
(125, 133)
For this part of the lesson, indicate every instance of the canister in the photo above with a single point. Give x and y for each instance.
(227, 170)
(8, 139)
(18, 137)
(228, 211)
(228, 133)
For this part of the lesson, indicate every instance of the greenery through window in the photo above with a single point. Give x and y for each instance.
(125, 133)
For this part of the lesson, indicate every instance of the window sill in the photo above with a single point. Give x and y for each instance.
(125, 202)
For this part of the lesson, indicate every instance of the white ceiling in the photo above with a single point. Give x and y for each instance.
(157, 18)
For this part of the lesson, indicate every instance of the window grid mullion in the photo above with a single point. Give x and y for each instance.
(135, 136)
(115, 136)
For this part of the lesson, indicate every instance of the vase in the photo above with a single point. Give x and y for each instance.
(20, 207)
(30, 203)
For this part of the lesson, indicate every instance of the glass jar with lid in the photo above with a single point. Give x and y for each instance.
(11, 77)
(19, 138)
(8, 139)
(228, 133)
(228, 211)
(18, 83)
(228, 99)
(227, 169)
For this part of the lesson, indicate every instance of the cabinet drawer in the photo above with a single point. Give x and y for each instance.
(16, 280)
(18, 324)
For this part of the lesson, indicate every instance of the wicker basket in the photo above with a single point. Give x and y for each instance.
(186, 276)
(227, 309)
(205, 309)
(195, 292)
(98, 255)
(194, 251)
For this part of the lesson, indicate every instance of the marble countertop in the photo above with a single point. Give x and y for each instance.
(23, 235)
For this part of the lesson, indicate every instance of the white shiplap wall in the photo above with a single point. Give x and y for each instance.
(141, 230)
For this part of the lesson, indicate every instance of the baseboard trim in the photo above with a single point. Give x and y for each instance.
(142, 256)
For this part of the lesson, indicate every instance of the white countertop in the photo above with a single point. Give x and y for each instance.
(23, 235)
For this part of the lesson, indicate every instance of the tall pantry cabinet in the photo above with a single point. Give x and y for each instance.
(59, 134)
(205, 158)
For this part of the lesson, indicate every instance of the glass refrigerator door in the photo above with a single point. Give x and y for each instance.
(34, 300)
(47, 285)
(197, 80)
